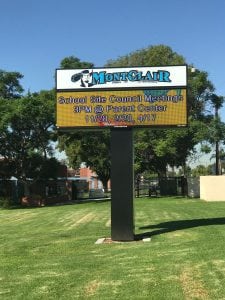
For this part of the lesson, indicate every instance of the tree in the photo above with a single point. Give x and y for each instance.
(10, 87)
(160, 55)
(213, 132)
(86, 146)
(158, 148)
(26, 130)
(91, 148)
(201, 170)
(73, 62)
(218, 127)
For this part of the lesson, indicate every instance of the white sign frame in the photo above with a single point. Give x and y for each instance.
(121, 78)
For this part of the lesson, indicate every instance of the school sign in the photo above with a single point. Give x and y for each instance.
(122, 97)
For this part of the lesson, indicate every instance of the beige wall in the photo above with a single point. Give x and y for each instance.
(212, 188)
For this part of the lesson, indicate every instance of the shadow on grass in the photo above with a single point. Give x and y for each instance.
(170, 226)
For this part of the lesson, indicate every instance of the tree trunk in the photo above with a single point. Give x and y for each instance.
(217, 159)
(105, 184)
(217, 146)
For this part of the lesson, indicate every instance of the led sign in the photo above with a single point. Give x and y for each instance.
(112, 97)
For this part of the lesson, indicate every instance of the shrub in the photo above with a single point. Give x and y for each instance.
(5, 202)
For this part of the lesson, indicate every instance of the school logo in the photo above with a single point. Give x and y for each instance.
(87, 78)
(83, 79)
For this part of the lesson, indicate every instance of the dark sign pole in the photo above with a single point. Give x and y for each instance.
(122, 181)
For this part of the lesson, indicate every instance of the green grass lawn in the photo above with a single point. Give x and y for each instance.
(50, 252)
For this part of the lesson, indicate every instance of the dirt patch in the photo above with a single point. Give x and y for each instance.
(91, 288)
(192, 286)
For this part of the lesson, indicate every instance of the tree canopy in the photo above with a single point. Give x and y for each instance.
(10, 87)
(89, 147)
(157, 148)
(27, 124)
(26, 130)
(73, 62)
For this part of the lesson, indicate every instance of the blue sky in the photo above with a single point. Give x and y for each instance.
(37, 35)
